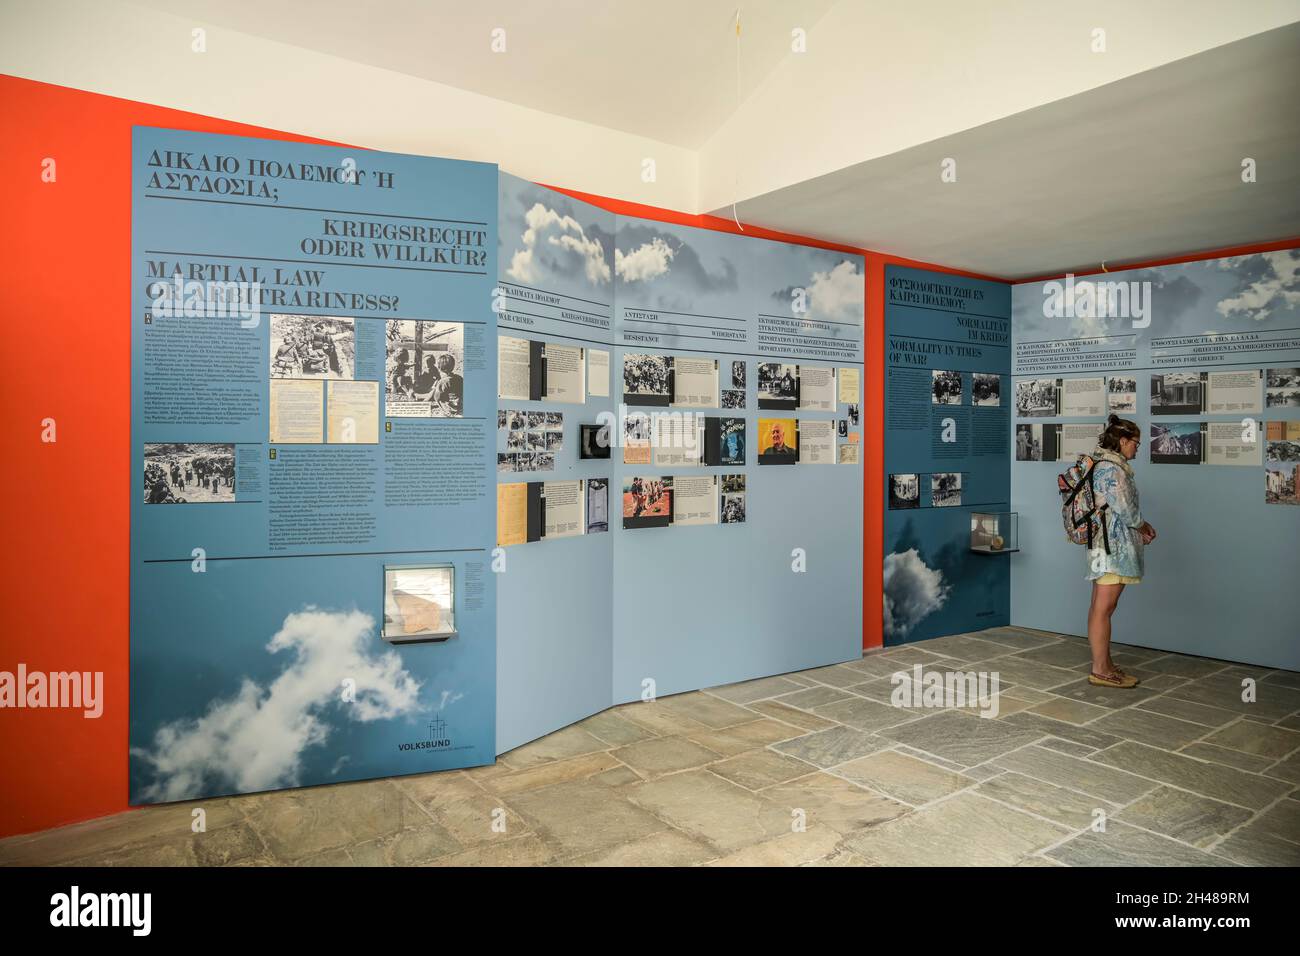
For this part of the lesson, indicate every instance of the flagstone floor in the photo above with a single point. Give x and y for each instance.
(811, 768)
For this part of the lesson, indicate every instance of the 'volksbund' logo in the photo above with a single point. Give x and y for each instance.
(437, 739)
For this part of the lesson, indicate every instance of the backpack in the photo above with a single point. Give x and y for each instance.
(1080, 512)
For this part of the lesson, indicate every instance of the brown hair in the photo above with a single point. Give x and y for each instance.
(1117, 428)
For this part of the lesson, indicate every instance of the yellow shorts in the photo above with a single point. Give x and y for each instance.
(1117, 579)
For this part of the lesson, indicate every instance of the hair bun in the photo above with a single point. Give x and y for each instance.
(1112, 419)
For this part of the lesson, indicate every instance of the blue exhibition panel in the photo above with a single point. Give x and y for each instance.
(277, 290)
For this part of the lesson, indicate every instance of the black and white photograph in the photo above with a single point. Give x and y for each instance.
(516, 419)
(593, 441)
(308, 346)
(733, 500)
(536, 439)
(842, 428)
(554, 441)
(853, 415)
(553, 420)
(536, 419)
(177, 473)
(1282, 388)
(904, 491)
(945, 489)
(1178, 393)
(733, 398)
(1037, 398)
(1029, 443)
(502, 418)
(517, 439)
(505, 461)
(945, 388)
(778, 385)
(1282, 452)
(647, 379)
(1121, 393)
(986, 390)
(597, 505)
(1176, 444)
(738, 374)
(424, 369)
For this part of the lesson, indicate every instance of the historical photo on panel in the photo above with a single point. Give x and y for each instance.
(738, 374)
(597, 505)
(647, 379)
(1176, 444)
(1037, 397)
(778, 385)
(986, 390)
(853, 415)
(308, 346)
(904, 491)
(1177, 393)
(1282, 443)
(733, 398)
(647, 501)
(733, 500)
(1029, 443)
(423, 370)
(1121, 393)
(177, 473)
(945, 388)
(945, 489)
(1282, 388)
(778, 441)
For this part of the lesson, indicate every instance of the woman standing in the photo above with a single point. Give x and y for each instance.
(1127, 533)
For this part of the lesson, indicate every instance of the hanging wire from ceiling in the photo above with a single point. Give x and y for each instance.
(735, 186)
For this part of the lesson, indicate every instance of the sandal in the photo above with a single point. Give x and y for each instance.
(1116, 679)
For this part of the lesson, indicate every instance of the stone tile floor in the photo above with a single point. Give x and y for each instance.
(811, 768)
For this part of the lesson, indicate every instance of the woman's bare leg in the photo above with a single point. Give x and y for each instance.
(1104, 599)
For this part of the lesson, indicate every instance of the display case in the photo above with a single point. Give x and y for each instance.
(419, 603)
(994, 532)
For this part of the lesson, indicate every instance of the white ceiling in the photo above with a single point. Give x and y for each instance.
(670, 63)
(1143, 168)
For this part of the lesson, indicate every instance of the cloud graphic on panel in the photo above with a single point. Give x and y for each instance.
(913, 591)
(255, 739)
(838, 295)
(644, 254)
(1266, 282)
(556, 244)
(647, 261)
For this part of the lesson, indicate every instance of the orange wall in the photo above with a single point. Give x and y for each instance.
(65, 271)
(65, 297)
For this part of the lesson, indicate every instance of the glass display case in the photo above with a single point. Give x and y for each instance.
(994, 532)
(419, 603)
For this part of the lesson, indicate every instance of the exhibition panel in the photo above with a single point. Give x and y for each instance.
(312, 367)
(646, 371)
(555, 607)
(947, 358)
(767, 337)
(1205, 357)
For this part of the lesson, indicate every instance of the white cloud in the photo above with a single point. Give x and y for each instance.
(1261, 296)
(255, 739)
(561, 233)
(648, 261)
(913, 591)
(837, 295)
